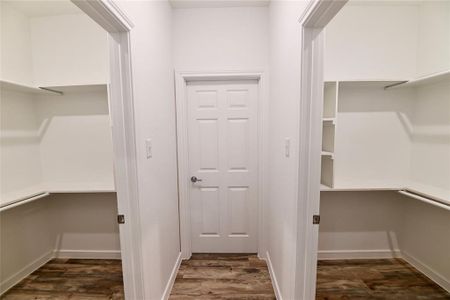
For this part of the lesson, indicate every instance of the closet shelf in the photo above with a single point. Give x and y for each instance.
(17, 87)
(81, 187)
(84, 88)
(434, 193)
(328, 153)
(36, 192)
(357, 189)
(376, 83)
(328, 121)
(430, 79)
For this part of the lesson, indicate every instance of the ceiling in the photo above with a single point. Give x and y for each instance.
(40, 8)
(217, 3)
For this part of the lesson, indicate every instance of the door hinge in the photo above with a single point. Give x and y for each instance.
(121, 219)
(316, 219)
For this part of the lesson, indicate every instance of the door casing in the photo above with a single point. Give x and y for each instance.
(181, 80)
(314, 19)
(121, 105)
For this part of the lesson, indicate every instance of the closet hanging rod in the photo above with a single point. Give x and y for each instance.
(26, 200)
(425, 199)
(51, 90)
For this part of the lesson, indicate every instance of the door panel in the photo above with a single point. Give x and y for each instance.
(223, 154)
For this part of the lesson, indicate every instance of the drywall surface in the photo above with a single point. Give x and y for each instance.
(151, 48)
(359, 224)
(373, 137)
(433, 37)
(26, 240)
(430, 159)
(424, 239)
(96, 236)
(280, 208)
(68, 50)
(220, 39)
(15, 38)
(75, 141)
(372, 41)
(20, 166)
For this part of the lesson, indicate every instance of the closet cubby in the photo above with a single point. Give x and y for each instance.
(375, 134)
(330, 104)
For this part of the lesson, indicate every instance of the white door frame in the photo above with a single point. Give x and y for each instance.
(181, 80)
(109, 16)
(315, 18)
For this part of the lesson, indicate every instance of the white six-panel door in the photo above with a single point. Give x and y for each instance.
(223, 157)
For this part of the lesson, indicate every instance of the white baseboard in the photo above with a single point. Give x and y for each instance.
(87, 254)
(14, 279)
(273, 277)
(358, 254)
(172, 278)
(427, 271)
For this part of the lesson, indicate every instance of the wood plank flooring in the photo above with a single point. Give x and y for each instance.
(223, 276)
(62, 279)
(374, 279)
(213, 276)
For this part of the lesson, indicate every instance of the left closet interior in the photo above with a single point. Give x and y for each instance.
(57, 184)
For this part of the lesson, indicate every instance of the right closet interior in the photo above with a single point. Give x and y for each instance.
(385, 186)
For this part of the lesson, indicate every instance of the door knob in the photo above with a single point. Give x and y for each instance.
(195, 179)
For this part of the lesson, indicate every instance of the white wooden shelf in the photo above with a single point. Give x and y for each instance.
(81, 187)
(427, 191)
(430, 79)
(327, 153)
(15, 199)
(17, 87)
(328, 121)
(85, 88)
(376, 83)
(325, 188)
(18, 196)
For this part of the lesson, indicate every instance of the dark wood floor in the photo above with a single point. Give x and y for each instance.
(374, 279)
(62, 279)
(223, 276)
(212, 276)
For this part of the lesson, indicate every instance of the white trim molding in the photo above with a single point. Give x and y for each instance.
(273, 278)
(181, 80)
(359, 254)
(121, 105)
(314, 19)
(173, 276)
(14, 279)
(87, 254)
(427, 271)
(107, 14)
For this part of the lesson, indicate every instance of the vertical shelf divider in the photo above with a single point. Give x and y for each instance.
(329, 121)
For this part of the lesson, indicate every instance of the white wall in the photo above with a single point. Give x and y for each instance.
(75, 141)
(424, 239)
(20, 167)
(430, 159)
(219, 39)
(26, 241)
(85, 225)
(433, 37)
(373, 137)
(281, 206)
(359, 222)
(68, 50)
(372, 41)
(151, 46)
(15, 37)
